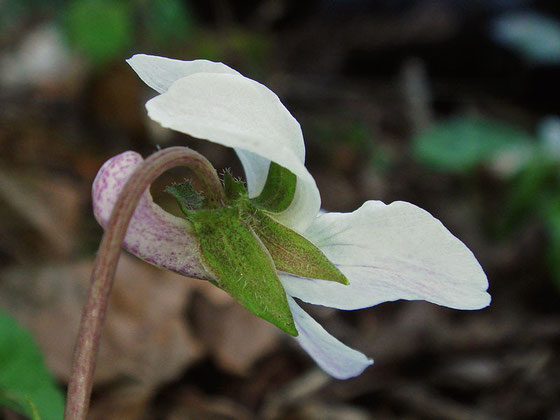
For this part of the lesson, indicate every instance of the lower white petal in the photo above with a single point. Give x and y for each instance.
(335, 358)
(154, 235)
(391, 252)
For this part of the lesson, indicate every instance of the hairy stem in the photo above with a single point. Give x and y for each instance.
(93, 315)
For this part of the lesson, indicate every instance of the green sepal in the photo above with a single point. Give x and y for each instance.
(186, 195)
(291, 252)
(234, 188)
(241, 264)
(279, 189)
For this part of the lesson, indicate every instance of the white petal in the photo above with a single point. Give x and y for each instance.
(160, 72)
(256, 171)
(238, 112)
(391, 252)
(154, 235)
(335, 358)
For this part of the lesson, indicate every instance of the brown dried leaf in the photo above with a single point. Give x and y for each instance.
(191, 404)
(124, 402)
(51, 207)
(145, 338)
(213, 294)
(234, 336)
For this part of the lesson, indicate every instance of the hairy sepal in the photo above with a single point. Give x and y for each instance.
(186, 195)
(291, 252)
(241, 265)
(279, 190)
(234, 188)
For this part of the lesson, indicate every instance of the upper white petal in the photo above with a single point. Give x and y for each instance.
(391, 252)
(246, 116)
(334, 357)
(160, 72)
(153, 234)
(238, 112)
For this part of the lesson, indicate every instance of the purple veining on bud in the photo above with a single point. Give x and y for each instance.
(154, 235)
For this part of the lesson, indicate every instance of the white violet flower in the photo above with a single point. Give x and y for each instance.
(268, 244)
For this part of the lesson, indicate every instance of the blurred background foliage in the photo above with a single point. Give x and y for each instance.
(450, 104)
(25, 383)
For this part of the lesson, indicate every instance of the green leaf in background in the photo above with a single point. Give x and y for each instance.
(531, 191)
(101, 29)
(26, 385)
(331, 133)
(236, 44)
(34, 412)
(166, 21)
(553, 230)
(534, 36)
(461, 143)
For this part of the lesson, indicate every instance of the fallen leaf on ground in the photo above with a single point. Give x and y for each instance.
(145, 338)
(233, 335)
(51, 207)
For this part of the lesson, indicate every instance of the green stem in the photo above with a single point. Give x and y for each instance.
(93, 315)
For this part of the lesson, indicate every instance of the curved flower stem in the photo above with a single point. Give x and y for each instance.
(93, 315)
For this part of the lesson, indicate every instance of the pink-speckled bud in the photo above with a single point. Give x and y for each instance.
(153, 235)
